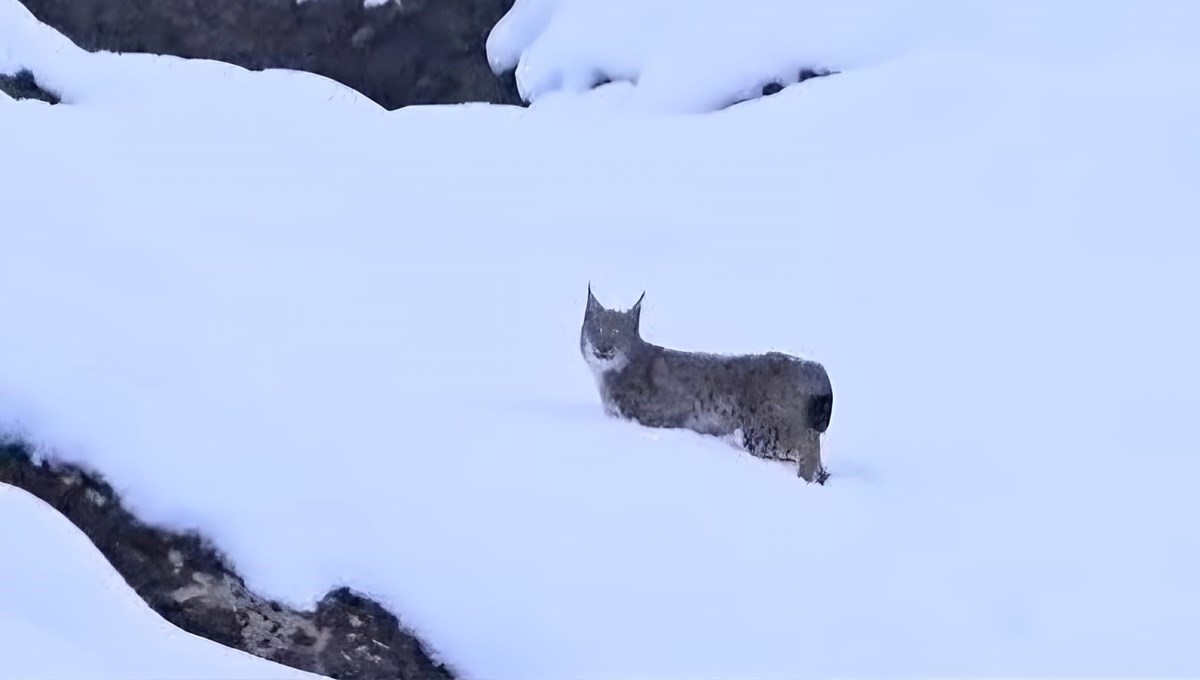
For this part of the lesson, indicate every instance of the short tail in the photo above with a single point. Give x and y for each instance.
(820, 408)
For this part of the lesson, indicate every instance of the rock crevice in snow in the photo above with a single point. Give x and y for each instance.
(188, 582)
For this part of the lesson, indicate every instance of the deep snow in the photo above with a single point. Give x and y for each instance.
(344, 343)
(699, 55)
(65, 613)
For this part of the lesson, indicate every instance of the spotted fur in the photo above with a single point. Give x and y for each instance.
(774, 405)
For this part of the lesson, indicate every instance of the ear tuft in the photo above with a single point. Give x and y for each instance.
(592, 302)
(636, 309)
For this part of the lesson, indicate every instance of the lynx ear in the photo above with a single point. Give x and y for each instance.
(592, 302)
(636, 309)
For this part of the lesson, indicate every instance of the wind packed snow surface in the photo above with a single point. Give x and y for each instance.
(344, 344)
(695, 56)
(65, 613)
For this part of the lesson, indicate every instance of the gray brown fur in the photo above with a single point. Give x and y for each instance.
(779, 404)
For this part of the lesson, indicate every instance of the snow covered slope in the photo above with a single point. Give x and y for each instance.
(145, 80)
(345, 344)
(699, 55)
(64, 612)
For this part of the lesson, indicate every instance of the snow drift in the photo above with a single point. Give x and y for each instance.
(64, 612)
(275, 328)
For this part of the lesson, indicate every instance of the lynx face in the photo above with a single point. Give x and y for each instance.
(609, 336)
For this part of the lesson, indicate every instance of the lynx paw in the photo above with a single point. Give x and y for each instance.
(813, 476)
(822, 476)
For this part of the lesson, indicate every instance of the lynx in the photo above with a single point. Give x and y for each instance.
(773, 405)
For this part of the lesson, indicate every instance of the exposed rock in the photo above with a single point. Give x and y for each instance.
(187, 581)
(771, 88)
(22, 85)
(808, 74)
(398, 53)
(775, 87)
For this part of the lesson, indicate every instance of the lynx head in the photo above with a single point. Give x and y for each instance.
(609, 336)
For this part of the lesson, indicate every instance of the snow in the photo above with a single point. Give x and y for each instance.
(64, 612)
(145, 81)
(689, 56)
(344, 343)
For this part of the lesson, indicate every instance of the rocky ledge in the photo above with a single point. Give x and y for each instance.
(184, 578)
(22, 85)
(398, 53)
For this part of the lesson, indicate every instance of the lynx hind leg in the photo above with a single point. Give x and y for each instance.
(776, 439)
(765, 440)
(808, 456)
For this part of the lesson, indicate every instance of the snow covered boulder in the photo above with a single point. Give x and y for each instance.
(396, 53)
(187, 581)
(22, 85)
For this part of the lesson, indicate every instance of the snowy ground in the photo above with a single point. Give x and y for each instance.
(344, 342)
(65, 613)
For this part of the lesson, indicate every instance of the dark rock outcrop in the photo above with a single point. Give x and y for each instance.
(400, 53)
(22, 85)
(775, 87)
(187, 581)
